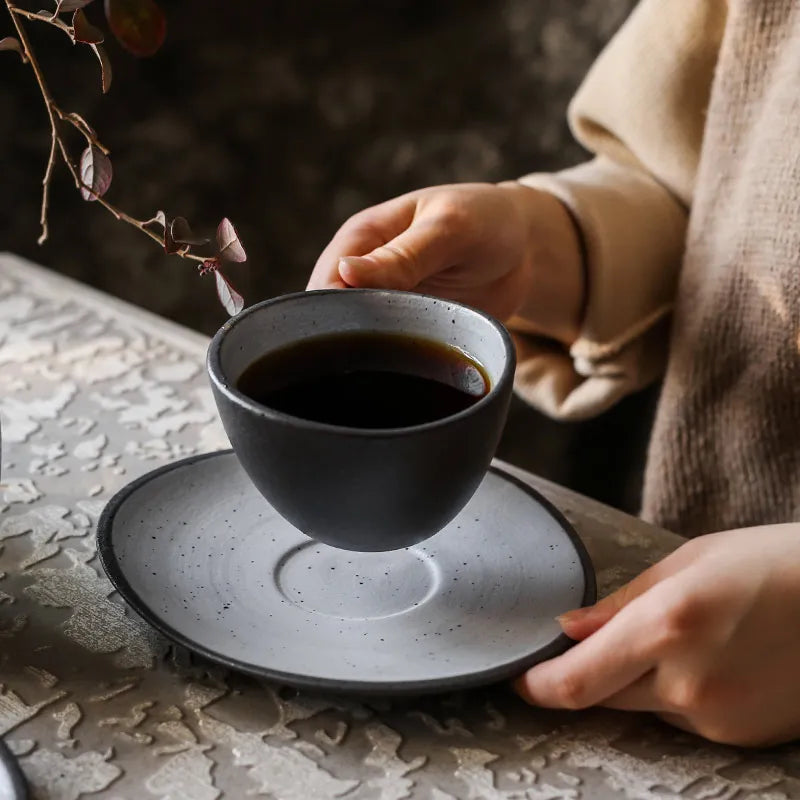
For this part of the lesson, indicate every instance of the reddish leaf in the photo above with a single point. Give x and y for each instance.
(182, 233)
(10, 43)
(70, 5)
(84, 31)
(170, 245)
(230, 246)
(140, 25)
(96, 173)
(228, 296)
(105, 66)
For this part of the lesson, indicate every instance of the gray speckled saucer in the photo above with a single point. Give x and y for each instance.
(199, 553)
(12, 784)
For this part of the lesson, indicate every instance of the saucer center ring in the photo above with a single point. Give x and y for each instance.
(355, 586)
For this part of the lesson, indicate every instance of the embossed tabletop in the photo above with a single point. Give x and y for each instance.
(93, 393)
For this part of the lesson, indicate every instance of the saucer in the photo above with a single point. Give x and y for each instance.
(12, 784)
(202, 556)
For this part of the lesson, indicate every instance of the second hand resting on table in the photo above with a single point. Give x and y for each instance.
(709, 637)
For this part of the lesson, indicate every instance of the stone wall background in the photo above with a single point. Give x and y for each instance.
(288, 117)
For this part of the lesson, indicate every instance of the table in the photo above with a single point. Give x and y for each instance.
(94, 392)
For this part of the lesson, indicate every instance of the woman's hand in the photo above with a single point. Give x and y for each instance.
(507, 249)
(709, 639)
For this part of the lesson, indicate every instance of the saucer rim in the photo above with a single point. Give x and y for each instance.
(10, 765)
(467, 680)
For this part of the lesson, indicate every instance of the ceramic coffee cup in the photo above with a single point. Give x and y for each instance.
(359, 488)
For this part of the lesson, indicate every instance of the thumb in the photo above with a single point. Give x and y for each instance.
(419, 252)
(583, 622)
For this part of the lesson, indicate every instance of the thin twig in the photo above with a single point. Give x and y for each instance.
(48, 101)
(55, 114)
(48, 174)
(83, 127)
(56, 22)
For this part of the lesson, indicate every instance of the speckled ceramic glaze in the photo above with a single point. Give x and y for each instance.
(200, 554)
(356, 488)
(12, 784)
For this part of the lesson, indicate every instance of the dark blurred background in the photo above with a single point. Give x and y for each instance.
(288, 117)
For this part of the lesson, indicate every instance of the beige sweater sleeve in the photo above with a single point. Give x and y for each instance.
(641, 112)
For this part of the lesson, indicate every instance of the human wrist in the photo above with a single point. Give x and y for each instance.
(553, 303)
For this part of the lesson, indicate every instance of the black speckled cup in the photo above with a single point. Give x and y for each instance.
(357, 488)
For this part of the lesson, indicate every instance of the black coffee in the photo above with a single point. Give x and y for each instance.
(366, 380)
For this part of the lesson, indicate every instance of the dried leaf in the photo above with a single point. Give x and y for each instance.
(181, 232)
(84, 31)
(96, 173)
(228, 296)
(160, 218)
(170, 245)
(10, 43)
(230, 246)
(140, 25)
(105, 66)
(69, 5)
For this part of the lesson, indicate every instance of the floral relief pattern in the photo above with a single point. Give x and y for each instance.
(94, 393)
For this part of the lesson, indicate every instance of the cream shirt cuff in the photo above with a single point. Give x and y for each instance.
(633, 233)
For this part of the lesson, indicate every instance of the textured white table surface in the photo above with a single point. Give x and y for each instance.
(93, 393)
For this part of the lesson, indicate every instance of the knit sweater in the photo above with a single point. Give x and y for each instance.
(690, 217)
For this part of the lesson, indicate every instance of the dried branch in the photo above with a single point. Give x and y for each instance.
(84, 128)
(55, 21)
(93, 177)
(48, 174)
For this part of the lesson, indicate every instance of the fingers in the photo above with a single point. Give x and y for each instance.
(626, 648)
(362, 234)
(355, 241)
(396, 245)
(641, 695)
(583, 622)
(593, 670)
(422, 250)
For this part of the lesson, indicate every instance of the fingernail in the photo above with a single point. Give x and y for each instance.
(348, 260)
(348, 263)
(572, 616)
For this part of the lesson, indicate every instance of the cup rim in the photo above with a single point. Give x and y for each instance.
(218, 377)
